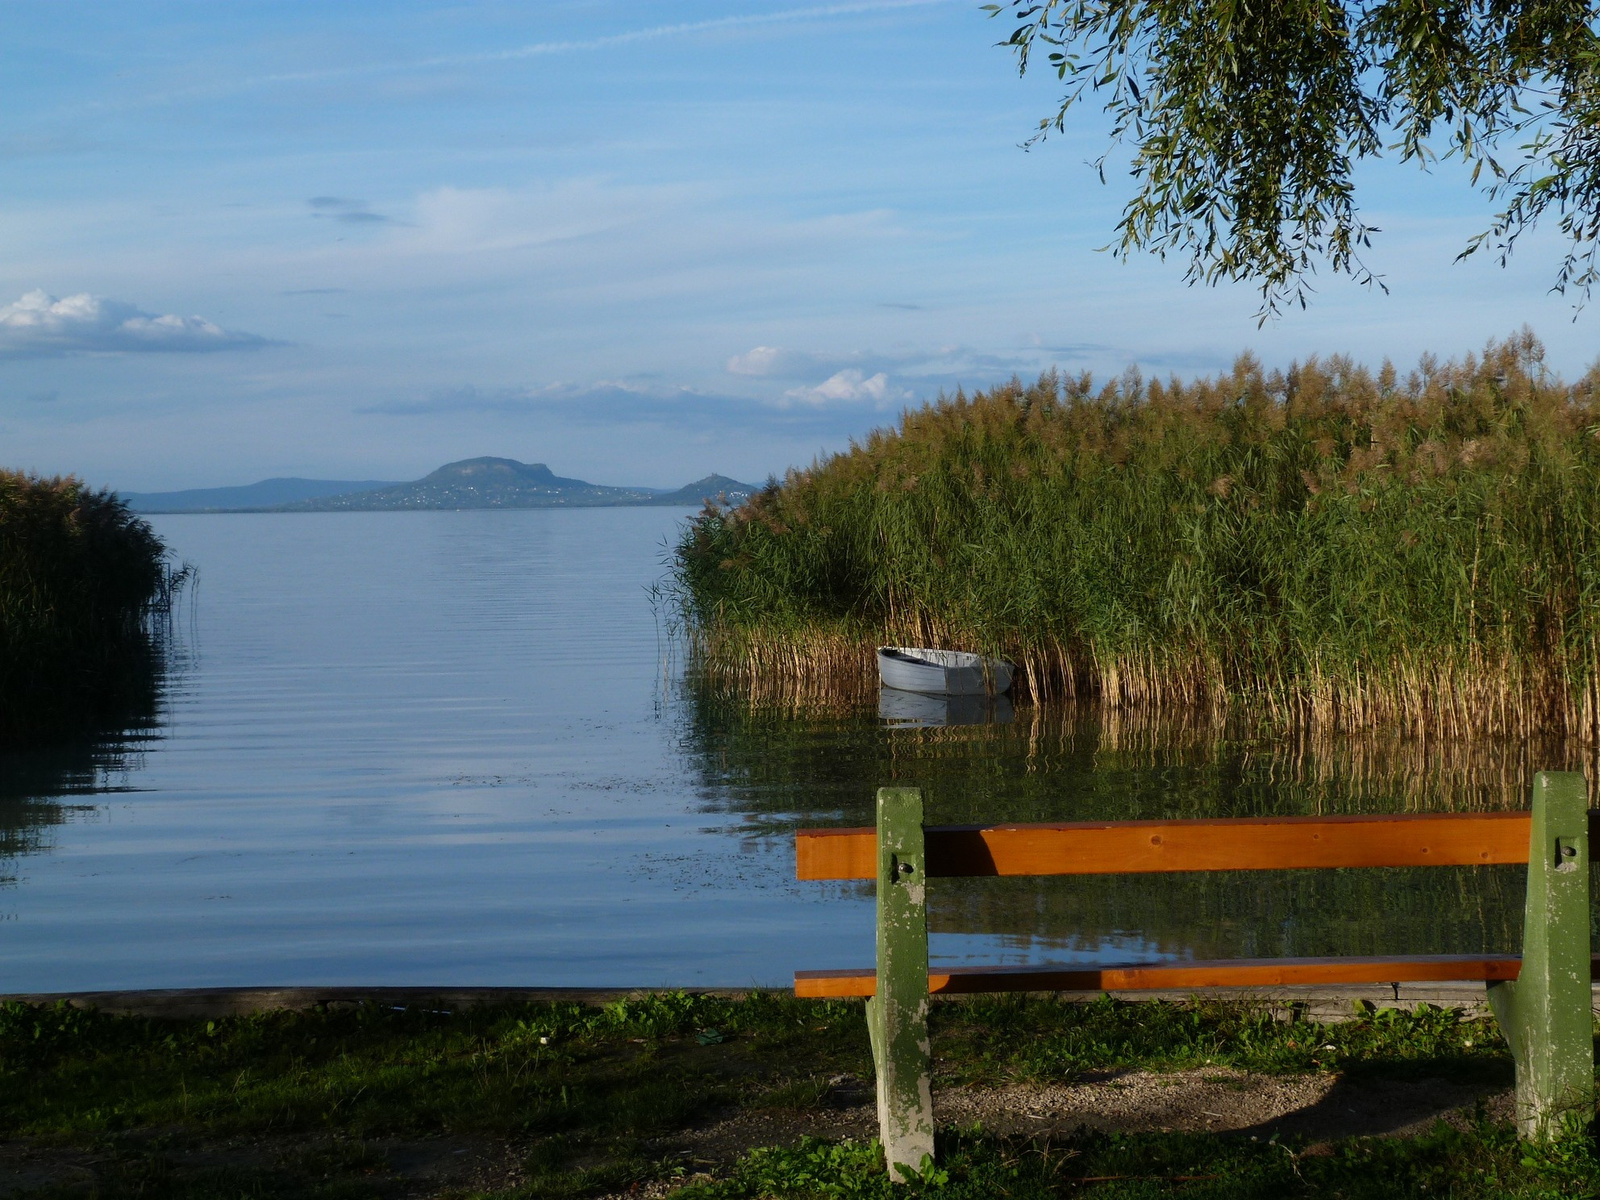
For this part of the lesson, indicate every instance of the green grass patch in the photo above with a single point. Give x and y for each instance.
(1485, 1161)
(994, 1039)
(589, 1100)
(632, 1068)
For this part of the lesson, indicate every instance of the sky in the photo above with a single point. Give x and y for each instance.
(639, 243)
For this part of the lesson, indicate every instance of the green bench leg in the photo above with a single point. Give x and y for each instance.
(1545, 1014)
(897, 1017)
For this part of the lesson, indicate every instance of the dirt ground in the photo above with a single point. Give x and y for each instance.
(1319, 1108)
(1213, 1100)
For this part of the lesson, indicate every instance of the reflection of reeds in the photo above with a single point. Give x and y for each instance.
(1324, 547)
(1362, 770)
(819, 761)
(38, 787)
(778, 754)
(85, 589)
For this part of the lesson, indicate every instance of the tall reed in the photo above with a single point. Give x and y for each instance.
(84, 587)
(1325, 545)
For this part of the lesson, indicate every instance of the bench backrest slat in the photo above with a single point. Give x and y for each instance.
(1233, 844)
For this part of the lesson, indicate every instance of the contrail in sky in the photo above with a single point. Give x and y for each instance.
(541, 49)
(531, 50)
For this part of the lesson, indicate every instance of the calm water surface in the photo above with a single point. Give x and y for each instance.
(453, 748)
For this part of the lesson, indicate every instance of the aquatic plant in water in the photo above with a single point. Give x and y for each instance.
(85, 587)
(1326, 545)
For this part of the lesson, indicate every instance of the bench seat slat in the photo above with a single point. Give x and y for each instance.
(1135, 847)
(1178, 976)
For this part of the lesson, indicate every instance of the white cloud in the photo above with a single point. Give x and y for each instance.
(860, 367)
(776, 362)
(619, 404)
(39, 325)
(763, 361)
(851, 386)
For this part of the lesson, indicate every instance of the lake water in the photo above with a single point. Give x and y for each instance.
(457, 748)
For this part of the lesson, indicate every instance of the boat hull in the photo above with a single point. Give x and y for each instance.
(942, 672)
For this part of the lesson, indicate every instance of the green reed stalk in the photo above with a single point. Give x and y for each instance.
(1323, 545)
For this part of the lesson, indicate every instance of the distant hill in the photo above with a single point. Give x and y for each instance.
(470, 483)
(507, 483)
(712, 487)
(269, 493)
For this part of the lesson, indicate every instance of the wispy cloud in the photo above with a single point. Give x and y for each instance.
(351, 212)
(53, 143)
(576, 45)
(614, 404)
(763, 361)
(39, 325)
(776, 362)
(851, 386)
(602, 402)
(892, 377)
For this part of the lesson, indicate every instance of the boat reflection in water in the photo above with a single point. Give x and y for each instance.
(921, 710)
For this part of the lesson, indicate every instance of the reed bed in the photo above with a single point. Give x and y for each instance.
(85, 588)
(1326, 546)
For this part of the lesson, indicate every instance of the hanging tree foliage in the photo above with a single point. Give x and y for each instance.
(1246, 119)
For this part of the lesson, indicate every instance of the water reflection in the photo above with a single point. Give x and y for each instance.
(899, 709)
(38, 787)
(784, 766)
(38, 784)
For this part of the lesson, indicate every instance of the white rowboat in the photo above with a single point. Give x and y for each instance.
(942, 672)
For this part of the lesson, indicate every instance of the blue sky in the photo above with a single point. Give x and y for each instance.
(637, 242)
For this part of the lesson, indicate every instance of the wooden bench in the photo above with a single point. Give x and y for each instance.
(1541, 999)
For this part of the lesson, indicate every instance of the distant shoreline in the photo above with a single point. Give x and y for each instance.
(471, 483)
(284, 511)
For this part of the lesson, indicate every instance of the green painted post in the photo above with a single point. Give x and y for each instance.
(897, 1016)
(1545, 1014)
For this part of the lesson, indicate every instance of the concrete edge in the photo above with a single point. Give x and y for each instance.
(1326, 1004)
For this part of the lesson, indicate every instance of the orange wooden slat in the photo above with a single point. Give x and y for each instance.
(1181, 976)
(1229, 844)
(836, 853)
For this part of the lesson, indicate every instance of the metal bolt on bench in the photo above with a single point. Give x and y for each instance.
(1542, 1000)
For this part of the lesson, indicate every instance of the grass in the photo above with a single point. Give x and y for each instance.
(84, 585)
(583, 1101)
(1327, 546)
(545, 1069)
(1486, 1161)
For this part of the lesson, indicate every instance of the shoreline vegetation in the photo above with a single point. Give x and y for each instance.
(86, 592)
(1326, 547)
(718, 1098)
